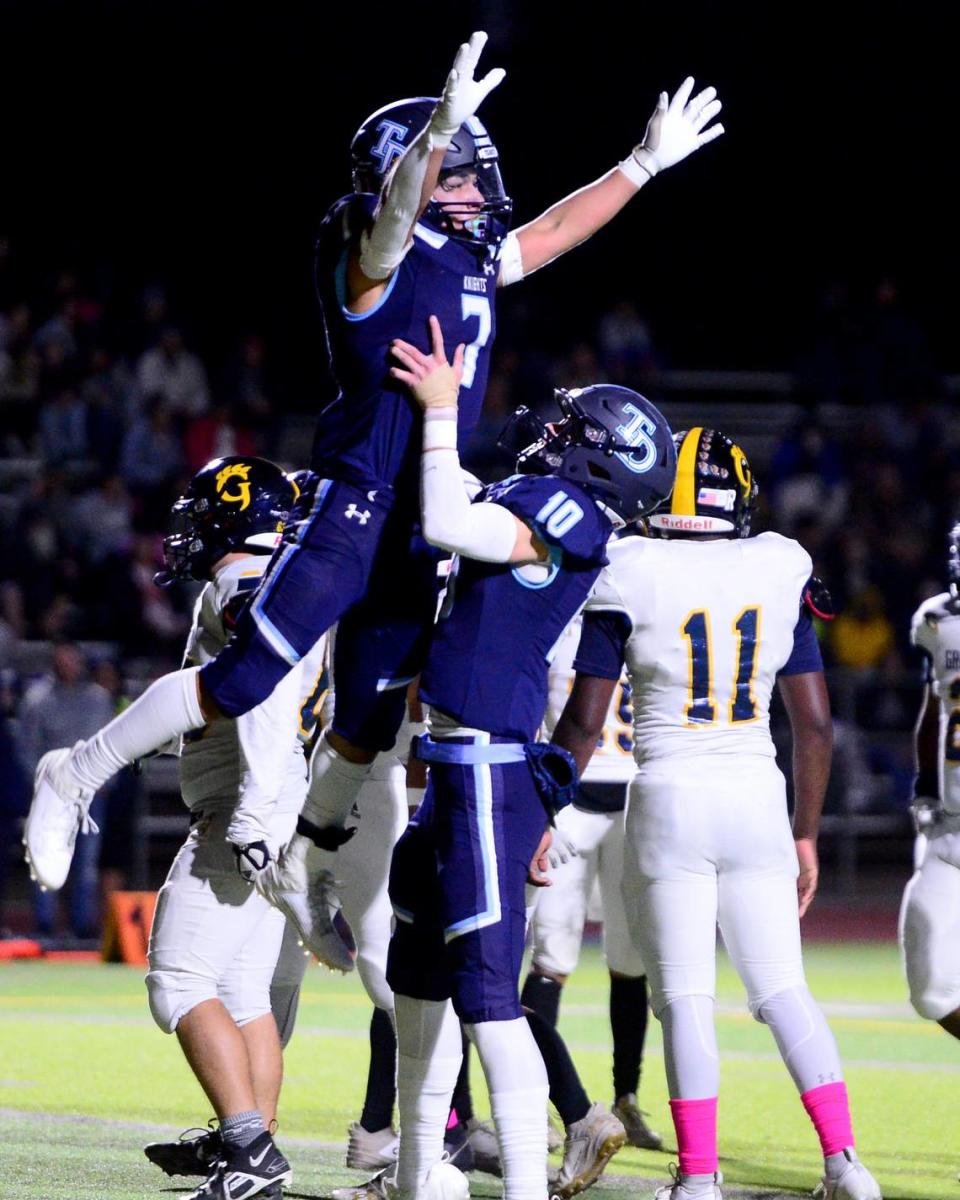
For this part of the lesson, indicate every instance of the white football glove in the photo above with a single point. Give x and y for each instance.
(562, 847)
(462, 94)
(253, 858)
(676, 129)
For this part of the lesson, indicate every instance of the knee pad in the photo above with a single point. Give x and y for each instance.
(172, 994)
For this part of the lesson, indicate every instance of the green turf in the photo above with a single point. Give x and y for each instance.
(78, 1042)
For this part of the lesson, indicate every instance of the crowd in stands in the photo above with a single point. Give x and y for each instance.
(107, 408)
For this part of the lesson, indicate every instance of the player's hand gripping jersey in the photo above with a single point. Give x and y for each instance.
(704, 627)
(254, 764)
(500, 624)
(936, 630)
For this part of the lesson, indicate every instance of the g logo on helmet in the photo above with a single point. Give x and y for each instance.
(637, 431)
(237, 472)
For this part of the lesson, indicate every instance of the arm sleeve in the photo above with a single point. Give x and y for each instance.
(511, 261)
(267, 736)
(384, 246)
(603, 643)
(484, 531)
(805, 655)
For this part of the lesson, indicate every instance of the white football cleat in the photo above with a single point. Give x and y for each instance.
(445, 1182)
(58, 812)
(368, 1151)
(590, 1144)
(305, 892)
(853, 1183)
(680, 1190)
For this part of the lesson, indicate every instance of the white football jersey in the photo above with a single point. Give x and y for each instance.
(936, 628)
(612, 760)
(712, 624)
(214, 770)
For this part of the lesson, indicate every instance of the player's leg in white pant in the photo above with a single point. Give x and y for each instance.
(761, 930)
(517, 1083)
(363, 866)
(428, 1060)
(930, 933)
(628, 990)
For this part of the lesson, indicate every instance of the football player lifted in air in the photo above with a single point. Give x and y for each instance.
(706, 621)
(529, 551)
(594, 825)
(425, 232)
(215, 940)
(930, 914)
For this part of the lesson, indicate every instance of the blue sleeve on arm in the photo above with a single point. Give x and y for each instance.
(603, 642)
(805, 655)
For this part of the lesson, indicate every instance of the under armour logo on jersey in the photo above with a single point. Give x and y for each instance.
(353, 511)
(390, 143)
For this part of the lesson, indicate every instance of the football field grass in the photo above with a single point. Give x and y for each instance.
(86, 1079)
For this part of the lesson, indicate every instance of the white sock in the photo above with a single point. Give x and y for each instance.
(690, 1048)
(168, 708)
(429, 1053)
(517, 1082)
(803, 1037)
(334, 786)
(415, 797)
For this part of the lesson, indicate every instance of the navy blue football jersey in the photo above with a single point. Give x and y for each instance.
(487, 666)
(370, 434)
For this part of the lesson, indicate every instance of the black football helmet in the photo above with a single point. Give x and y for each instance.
(610, 440)
(233, 503)
(715, 491)
(386, 134)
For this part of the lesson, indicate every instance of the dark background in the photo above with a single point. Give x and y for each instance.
(201, 142)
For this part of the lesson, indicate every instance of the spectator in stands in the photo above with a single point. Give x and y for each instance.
(862, 637)
(59, 710)
(247, 387)
(215, 435)
(625, 345)
(63, 430)
(103, 520)
(175, 373)
(150, 459)
(14, 783)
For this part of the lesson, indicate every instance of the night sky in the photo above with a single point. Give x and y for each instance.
(200, 143)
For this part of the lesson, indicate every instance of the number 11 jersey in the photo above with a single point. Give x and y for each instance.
(704, 627)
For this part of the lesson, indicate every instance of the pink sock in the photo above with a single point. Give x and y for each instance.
(696, 1124)
(829, 1110)
(453, 1119)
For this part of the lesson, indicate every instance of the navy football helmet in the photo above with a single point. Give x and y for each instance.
(233, 503)
(715, 491)
(386, 134)
(610, 440)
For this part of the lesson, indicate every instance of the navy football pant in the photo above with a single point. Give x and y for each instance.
(349, 555)
(457, 883)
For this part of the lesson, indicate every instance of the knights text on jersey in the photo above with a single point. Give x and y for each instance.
(211, 762)
(612, 761)
(711, 623)
(935, 628)
(499, 625)
(369, 435)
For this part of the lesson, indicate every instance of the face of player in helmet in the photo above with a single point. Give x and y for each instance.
(459, 195)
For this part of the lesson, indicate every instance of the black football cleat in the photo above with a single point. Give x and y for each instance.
(255, 1170)
(191, 1155)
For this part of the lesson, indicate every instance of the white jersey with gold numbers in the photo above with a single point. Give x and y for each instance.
(712, 624)
(612, 761)
(255, 764)
(936, 629)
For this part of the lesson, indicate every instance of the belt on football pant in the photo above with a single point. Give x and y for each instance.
(426, 749)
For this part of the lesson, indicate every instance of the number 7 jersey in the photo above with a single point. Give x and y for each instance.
(709, 626)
